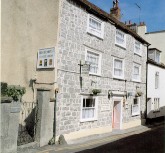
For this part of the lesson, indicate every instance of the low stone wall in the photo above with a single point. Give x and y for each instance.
(9, 125)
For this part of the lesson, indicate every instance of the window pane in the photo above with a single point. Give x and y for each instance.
(119, 37)
(118, 64)
(88, 113)
(137, 47)
(83, 102)
(93, 60)
(88, 110)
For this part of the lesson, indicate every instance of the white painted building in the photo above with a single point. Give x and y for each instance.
(155, 85)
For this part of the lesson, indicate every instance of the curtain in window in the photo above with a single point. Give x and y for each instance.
(118, 67)
(137, 47)
(136, 73)
(94, 24)
(88, 110)
(93, 60)
(119, 37)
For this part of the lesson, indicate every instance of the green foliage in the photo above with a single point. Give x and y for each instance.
(3, 88)
(14, 92)
(96, 91)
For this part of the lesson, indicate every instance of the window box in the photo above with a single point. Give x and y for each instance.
(136, 76)
(138, 48)
(95, 26)
(94, 60)
(120, 38)
(118, 68)
(89, 108)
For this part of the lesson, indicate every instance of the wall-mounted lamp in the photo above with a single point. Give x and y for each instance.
(110, 94)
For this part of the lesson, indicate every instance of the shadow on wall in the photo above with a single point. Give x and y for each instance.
(26, 132)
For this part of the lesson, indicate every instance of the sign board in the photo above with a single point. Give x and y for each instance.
(85, 69)
(46, 58)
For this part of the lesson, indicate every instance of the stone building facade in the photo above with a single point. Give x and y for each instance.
(74, 43)
(79, 31)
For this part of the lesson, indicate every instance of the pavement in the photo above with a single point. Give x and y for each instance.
(88, 142)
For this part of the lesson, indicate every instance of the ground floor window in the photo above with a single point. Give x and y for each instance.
(156, 104)
(136, 106)
(89, 108)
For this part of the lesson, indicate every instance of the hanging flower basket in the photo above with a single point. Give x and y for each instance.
(96, 91)
(139, 93)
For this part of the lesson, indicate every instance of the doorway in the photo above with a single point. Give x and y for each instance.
(117, 115)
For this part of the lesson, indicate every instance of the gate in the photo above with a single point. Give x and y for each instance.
(27, 123)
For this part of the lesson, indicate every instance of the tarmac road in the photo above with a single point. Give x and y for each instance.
(148, 142)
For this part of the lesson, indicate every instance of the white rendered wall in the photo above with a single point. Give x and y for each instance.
(155, 93)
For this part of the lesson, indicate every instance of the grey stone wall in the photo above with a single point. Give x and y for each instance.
(9, 125)
(73, 40)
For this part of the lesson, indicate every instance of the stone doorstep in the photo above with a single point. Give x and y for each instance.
(31, 145)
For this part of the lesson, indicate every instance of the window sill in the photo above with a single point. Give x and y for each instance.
(121, 46)
(138, 54)
(134, 115)
(138, 81)
(117, 78)
(99, 75)
(87, 120)
(99, 37)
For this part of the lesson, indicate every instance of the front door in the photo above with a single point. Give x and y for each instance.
(117, 115)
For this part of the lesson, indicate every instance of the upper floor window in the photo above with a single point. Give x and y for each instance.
(156, 80)
(138, 48)
(89, 106)
(94, 60)
(154, 54)
(120, 38)
(95, 26)
(136, 106)
(118, 68)
(157, 57)
(136, 72)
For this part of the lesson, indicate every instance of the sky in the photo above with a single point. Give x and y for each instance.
(152, 12)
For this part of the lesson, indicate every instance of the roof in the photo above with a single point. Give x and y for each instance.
(155, 49)
(161, 31)
(161, 65)
(102, 14)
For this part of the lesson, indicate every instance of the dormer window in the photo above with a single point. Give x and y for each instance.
(154, 54)
(157, 57)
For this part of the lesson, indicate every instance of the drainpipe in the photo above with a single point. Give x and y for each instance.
(54, 127)
(147, 82)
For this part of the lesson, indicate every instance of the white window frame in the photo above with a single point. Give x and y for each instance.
(95, 32)
(157, 80)
(156, 104)
(140, 52)
(139, 79)
(95, 111)
(99, 64)
(136, 105)
(122, 45)
(157, 53)
(115, 76)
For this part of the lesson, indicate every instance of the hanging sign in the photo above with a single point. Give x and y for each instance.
(85, 69)
(46, 58)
